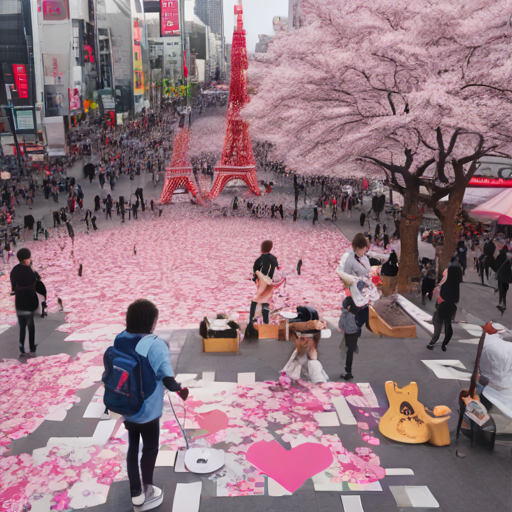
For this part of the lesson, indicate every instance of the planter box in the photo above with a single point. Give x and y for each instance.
(267, 332)
(221, 344)
(380, 327)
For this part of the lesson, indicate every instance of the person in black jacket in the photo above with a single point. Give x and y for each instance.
(23, 281)
(266, 264)
(390, 268)
(490, 262)
(504, 275)
(446, 307)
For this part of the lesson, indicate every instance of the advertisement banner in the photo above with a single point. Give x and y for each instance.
(24, 119)
(138, 72)
(74, 99)
(170, 18)
(20, 78)
(55, 10)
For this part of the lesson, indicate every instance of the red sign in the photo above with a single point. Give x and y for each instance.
(20, 78)
(491, 182)
(170, 18)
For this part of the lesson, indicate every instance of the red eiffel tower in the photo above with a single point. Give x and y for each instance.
(237, 157)
(179, 174)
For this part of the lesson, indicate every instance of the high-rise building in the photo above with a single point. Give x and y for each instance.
(295, 14)
(211, 13)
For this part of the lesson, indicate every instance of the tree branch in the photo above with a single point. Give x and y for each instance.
(486, 86)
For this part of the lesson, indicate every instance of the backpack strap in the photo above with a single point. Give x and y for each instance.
(145, 344)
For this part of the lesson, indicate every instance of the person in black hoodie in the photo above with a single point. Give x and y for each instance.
(23, 281)
(446, 307)
(504, 275)
(266, 264)
(390, 268)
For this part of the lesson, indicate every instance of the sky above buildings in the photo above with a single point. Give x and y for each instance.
(258, 16)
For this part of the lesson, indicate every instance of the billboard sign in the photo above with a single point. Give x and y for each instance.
(74, 99)
(20, 78)
(55, 10)
(24, 120)
(493, 172)
(138, 72)
(169, 18)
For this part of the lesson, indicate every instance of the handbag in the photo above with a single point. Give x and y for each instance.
(262, 277)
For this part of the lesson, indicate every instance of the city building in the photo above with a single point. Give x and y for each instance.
(18, 118)
(262, 44)
(211, 13)
(295, 14)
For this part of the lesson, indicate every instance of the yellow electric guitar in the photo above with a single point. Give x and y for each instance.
(407, 420)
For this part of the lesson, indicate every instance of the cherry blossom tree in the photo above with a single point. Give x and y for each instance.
(413, 92)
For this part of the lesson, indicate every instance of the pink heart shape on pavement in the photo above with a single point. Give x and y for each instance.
(213, 421)
(290, 468)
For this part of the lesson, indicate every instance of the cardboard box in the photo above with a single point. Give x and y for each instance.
(267, 332)
(221, 344)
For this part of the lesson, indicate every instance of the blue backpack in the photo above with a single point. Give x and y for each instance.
(128, 377)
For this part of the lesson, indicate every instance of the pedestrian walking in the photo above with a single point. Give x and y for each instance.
(23, 282)
(446, 306)
(504, 275)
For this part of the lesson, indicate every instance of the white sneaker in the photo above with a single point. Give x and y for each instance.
(154, 497)
(139, 500)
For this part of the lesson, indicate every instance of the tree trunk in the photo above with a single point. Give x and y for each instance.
(449, 214)
(410, 221)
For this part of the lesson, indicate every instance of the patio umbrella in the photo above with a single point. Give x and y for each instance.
(498, 208)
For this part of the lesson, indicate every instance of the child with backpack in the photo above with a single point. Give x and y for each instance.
(137, 371)
(351, 321)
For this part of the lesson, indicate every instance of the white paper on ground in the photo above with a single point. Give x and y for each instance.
(399, 472)
(329, 487)
(94, 410)
(103, 431)
(327, 419)
(183, 377)
(373, 486)
(322, 482)
(179, 464)
(352, 503)
(39, 455)
(58, 412)
(421, 497)
(472, 341)
(343, 410)
(209, 376)
(275, 489)
(368, 393)
(232, 436)
(187, 497)
(166, 458)
(473, 329)
(302, 439)
(246, 378)
(439, 367)
(42, 504)
(71, 441)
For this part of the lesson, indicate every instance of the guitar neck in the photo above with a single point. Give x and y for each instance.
(474, 377)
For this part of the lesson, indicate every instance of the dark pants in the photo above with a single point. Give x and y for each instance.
(150, 433)
(438, 327)
(503, 290)
(27, 321)
(351, 343)
(265, 311)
